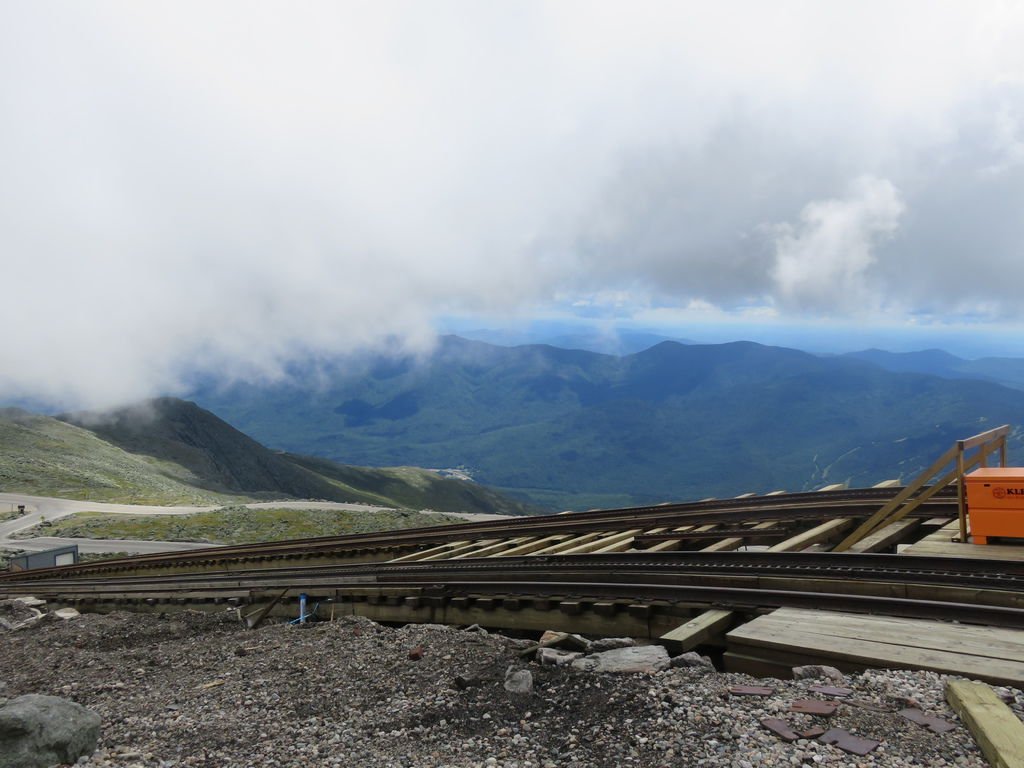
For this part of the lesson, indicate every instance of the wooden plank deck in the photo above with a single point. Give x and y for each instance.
(940, 543)
(853, 642)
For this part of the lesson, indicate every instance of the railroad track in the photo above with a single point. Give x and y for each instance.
(634, 571)
(924, 571)
(975, 591)
(794, 508)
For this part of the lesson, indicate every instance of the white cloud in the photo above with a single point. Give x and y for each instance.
(822, 264)
(218, 188)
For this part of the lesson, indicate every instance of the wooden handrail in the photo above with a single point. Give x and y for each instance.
(902, 504)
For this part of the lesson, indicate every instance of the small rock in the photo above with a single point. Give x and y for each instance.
(416, 653)
(818, 672)
(692, 659)
(462, 682)
(518, 680)
(565, 640)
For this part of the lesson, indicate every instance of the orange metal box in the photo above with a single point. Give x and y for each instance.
(995, 502)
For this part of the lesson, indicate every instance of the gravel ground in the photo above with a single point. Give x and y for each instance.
(195, 689)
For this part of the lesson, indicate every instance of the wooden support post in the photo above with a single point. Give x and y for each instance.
(886, 536)
(735, 542)
(665, 546)
(491, 547)
(562, 546)
(254, 619)
(620, 546)
(598, 545)
(961, 498)
(819, 533)
(878, 517)
(426, 553)
(699, 630)
(533, 546)
(986, 442)
(998, 731)
(815, 535)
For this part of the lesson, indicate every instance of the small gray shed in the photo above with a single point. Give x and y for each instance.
(48, 558)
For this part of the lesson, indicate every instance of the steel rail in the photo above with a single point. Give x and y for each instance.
(783, 507)
(741, 598)
(671, 567)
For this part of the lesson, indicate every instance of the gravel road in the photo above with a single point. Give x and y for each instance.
(39, 508)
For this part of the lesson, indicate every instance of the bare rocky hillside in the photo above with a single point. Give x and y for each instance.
(192, 689)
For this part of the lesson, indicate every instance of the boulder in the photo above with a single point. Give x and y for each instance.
(641, 658)
(518, 680)
(818, 672)
(693, 659)
(39, 731)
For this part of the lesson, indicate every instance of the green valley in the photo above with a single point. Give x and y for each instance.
(568, 428)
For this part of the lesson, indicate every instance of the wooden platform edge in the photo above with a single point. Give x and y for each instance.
(997, 730)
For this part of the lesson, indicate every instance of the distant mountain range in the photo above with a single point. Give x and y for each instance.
(614, 342)
(572, 428)
(1008, 371)
(169, 451)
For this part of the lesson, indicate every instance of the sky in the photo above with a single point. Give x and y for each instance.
(219, 189)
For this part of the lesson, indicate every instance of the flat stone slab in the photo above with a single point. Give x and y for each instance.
(640, 658)
(751, 690)
(780, 728)
(846, 741)
(931, 722)
(814, 707)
